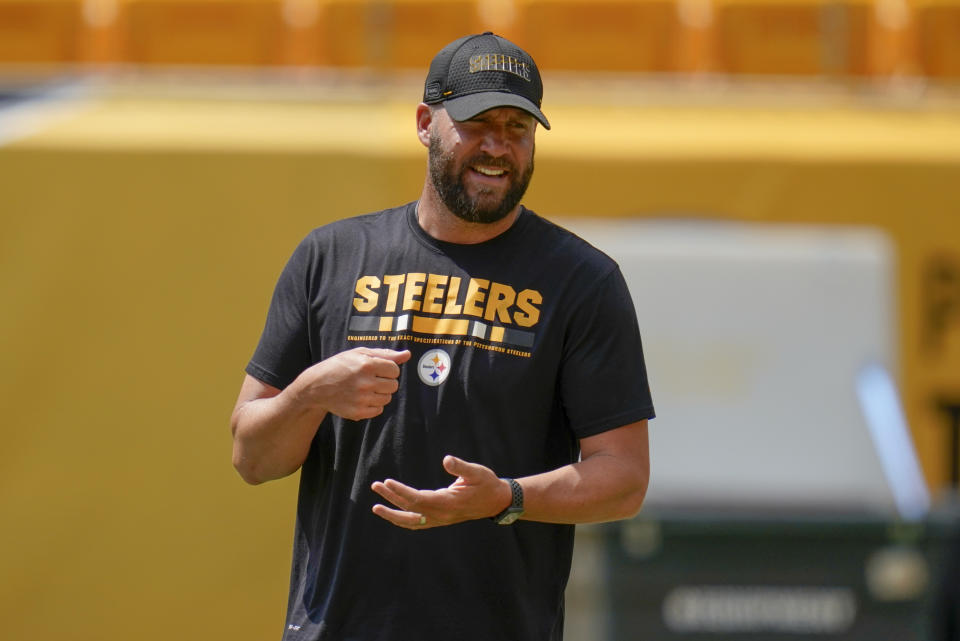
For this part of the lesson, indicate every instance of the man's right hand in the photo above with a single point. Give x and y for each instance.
(356, 384)
(272, 428)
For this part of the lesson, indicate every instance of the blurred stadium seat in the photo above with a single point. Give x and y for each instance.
(606, 35)
(889, 50)
(40, 31)
(205, 32)
(394, 35)
(938, 38)
(801, 38)
(792, 37)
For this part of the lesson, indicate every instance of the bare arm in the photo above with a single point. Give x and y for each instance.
(608, 483)
(272, 429)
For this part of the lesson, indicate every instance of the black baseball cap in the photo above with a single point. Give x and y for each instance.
(484, 71)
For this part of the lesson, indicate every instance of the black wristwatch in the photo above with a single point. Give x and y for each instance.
(515, 510)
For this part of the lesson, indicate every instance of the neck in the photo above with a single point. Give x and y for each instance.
(442, 224)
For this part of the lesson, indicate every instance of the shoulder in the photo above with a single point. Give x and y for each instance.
(555, 242)
(380, 223)
(341, 241)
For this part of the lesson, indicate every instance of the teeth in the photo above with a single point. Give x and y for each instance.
(490, 172)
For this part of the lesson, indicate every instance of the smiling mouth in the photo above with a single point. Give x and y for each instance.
(490, 171)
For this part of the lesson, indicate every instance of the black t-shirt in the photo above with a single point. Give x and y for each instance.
(521, 345)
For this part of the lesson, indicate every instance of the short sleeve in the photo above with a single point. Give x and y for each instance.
(603, 377)
(284, 348)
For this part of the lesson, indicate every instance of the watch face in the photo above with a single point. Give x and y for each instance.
(510, 517)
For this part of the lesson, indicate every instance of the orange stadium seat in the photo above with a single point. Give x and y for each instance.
(891, 34)
(601, 35)
(396, 34)
(792, 37)
(44, 31)
(210, 32)
(938, 39)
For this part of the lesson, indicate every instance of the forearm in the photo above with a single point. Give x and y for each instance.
(273, 429)
(272, 436)
(598, 489)
(608, 483)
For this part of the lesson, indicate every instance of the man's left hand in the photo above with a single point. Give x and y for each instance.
(476, 493)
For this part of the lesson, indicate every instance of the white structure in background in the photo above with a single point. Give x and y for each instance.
(768, 348)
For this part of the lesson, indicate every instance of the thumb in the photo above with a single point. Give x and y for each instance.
(389, 354)
(458, 467)
(401, 357)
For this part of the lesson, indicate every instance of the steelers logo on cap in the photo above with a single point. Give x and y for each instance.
(434, 367)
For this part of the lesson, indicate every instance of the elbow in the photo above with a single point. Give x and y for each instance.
(631, 505)
(636, 492)
(633, 498)
(244, 460)
(243, 463)
(247, 471)
(251, 478)
(248, 466)
(256, 467)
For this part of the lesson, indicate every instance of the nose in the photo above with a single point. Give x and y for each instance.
(494, 140)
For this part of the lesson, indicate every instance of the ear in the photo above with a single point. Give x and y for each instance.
(424, 118)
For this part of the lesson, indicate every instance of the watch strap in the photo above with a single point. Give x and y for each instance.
(515, 509)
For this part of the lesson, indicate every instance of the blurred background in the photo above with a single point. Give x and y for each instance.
(779, 179)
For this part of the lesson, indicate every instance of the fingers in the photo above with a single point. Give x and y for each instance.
(362, 413)
(359, 383)
(384, 363)
(404, 519)
(476, 493)
(405, 498)
(384, 386)
(381, 367)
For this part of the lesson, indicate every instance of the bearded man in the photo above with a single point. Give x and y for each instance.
(459, 382)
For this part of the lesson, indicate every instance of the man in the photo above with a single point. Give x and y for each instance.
(459, 382)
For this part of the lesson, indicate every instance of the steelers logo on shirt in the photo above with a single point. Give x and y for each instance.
(434, 367)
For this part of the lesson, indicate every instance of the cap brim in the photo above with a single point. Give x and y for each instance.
(466, 107)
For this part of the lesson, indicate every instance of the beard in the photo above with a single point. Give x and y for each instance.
(447, 179)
